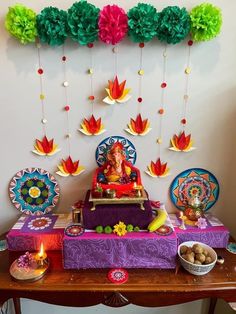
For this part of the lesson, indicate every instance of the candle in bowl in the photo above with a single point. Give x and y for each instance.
(41, 256)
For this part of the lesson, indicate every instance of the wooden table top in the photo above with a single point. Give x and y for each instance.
(145, 287)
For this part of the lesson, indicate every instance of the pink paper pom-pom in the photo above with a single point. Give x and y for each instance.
(113, 24)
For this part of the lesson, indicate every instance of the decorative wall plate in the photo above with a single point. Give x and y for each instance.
(34, 191)
(105, 145)
(192, 181)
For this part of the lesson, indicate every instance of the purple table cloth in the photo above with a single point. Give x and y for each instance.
(215, 234)
(111, 214)
(134, 250)
(30, 231)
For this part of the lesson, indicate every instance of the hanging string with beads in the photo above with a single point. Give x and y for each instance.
(43, 147)
(66, 102)
(187, 72)
(139, 126)
(91, 126)
(42, 95)
(67, 167)
(159, 169)
(182, 142)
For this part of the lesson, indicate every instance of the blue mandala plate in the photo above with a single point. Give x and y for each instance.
(34, 191)
(192, 181)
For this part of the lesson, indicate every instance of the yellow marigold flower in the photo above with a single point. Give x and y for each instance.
(120, 229)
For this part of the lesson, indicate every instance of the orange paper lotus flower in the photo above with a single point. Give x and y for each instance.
(117, 92)
(45, 147)
(182, 143)
(138, 126)
(68, 167)
(158, 169)
(92, 126)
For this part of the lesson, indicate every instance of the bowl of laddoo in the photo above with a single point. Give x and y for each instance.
(196, 257)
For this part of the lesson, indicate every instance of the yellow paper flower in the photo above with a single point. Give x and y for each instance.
(120, 229)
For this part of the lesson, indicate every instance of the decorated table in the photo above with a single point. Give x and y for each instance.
(144, 287)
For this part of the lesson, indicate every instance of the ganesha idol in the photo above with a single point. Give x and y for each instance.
(116, 175)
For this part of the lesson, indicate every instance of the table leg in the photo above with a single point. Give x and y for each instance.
(212, 305)
(17, 307)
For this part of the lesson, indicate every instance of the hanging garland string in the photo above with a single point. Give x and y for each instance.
(43, 147)
(158, 168)
(183, 142)
(67, 167)
(91, 126)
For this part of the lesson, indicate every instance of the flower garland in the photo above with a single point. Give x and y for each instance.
(181, 142)
(43, 147)
(91, 126)
(68, 167)
(158, 168)
(139, 126)
(84, 24)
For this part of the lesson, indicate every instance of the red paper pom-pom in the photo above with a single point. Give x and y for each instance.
(183, 121)
(161, 111)
(63, 58)
(140, 99)
(67, 108)
(113, 24)
(141, 45)
(91, 97)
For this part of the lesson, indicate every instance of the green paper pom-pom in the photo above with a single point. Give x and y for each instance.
(83, 22)
(52, 26)
(206, 21)
(173, 24)
(142, 22)
(136, 229)
(21, 23)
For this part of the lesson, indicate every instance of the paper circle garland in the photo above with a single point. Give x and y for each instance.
(21, 23)
(173, 24)
(142, 21)
(83, 22)
(52, 26)
(113, 24)
(206, 21)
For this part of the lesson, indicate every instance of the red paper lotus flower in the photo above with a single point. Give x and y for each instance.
(158, 169)
(117, 92)
(182, 143)
(68, 167)
(138, 126)
(92, 126)
(113, 24)
(45, 147)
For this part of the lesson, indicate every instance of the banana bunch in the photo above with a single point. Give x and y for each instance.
(158, 221)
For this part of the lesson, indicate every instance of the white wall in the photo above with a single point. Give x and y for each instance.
(211, 112)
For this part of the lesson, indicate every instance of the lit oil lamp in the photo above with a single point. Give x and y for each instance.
(41, 256)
